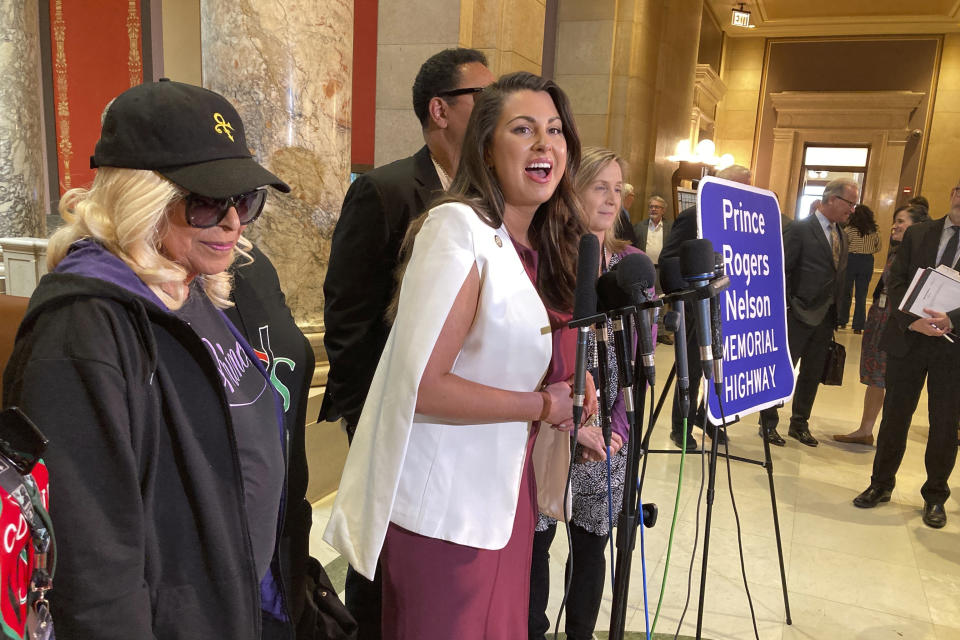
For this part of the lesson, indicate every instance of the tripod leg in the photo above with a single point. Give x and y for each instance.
(711, 485)
(776, 527)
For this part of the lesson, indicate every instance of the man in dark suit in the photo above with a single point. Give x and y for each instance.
(376, 212)
(815, 262)
(917, 350)
(685, 228)
(624, 225)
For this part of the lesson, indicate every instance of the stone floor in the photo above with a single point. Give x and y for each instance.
(851, 573)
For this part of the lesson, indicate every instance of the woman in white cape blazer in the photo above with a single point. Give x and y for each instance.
(450, 481)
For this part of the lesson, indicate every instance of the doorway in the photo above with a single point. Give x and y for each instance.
(823, 163)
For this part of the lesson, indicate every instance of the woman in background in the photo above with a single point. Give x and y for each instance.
(864, 240)
(439, 482)
(598, 186)
(873, 360)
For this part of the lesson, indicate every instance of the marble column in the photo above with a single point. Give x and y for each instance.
(630, 68)
(676, 78)
(783, 173)
(286, 66)
(21, 136)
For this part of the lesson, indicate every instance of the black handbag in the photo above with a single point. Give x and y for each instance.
(324, 616)
(833, 365)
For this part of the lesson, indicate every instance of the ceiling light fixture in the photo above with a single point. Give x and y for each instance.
(740, 17)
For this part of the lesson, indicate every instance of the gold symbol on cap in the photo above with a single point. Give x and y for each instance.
(222, 126)
(497, 239)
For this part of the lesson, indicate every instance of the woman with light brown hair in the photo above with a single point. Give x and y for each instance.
(598, 185)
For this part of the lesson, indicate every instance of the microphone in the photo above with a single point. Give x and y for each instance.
(610, 296)
(715, 325)
(617, 303)
(584, 314)
(636, 275)
(696, 265)
(672, 282)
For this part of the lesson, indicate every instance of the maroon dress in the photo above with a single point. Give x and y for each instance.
(438, 590)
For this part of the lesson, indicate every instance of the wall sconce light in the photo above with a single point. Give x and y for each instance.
(704, 153)
(706, 148)
(682, 151)
(726, 160)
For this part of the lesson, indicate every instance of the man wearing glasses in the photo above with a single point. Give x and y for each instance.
(375, 215)
(815, 263)
(653, 230)
(920, 351)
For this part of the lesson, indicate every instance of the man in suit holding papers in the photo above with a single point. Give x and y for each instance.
(920, 351)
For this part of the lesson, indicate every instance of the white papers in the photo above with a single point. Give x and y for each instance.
(937, 289)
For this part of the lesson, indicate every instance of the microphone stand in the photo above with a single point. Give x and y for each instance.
(633, 486)
(600, 333)
(629, 518)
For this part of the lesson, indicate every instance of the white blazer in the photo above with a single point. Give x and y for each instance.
(450, 481)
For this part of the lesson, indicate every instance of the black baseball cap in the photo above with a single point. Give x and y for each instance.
(190, 135)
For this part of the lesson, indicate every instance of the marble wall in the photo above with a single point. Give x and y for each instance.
(583, 63)
(509, 32)
(22, 183)
(403, 43)
(182, 60)
(676, 74)
(742, 72)
(941, 172)
(629, 67)
(286, 65)
(634, 105)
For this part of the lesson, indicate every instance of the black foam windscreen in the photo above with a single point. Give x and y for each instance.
(696, 258)
(671, 279)
(588, 264)
(636, 270)
(611, 295)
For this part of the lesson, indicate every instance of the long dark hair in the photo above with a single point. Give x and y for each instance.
(862, 220)
(557, 224)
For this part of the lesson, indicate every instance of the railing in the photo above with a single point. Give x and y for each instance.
(24, 263)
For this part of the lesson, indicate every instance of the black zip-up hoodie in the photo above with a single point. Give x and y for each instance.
(146, 491)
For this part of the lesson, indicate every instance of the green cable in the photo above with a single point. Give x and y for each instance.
(673, 525)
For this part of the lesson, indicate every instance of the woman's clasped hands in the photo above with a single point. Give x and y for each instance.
(560, 417)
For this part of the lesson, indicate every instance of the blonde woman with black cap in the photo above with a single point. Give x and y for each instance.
(166, 456)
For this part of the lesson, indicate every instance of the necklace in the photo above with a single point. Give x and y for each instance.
(445, 179)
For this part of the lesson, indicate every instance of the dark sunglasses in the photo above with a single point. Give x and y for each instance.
(203, 212)
(459, 92)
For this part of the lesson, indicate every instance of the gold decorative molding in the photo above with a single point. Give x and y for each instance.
(314, 334)
(64, 146)
(134, 64)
